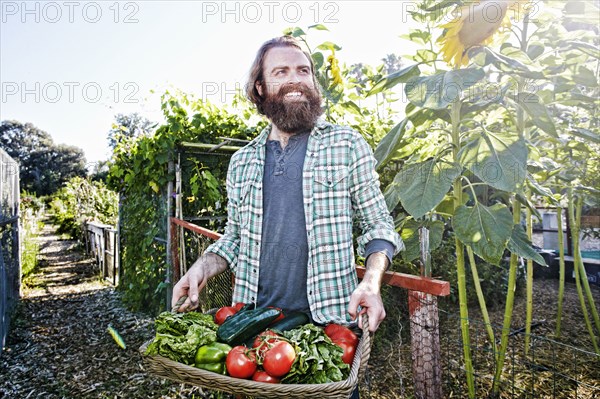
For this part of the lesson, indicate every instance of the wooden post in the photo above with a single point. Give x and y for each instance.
(118, 242)
(169, 271)
(175, 250)
(425, 333)
(16, 240)
(182, 262)
(425, 345)
(115, 250)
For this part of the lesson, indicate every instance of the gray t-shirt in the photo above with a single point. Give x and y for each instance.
(284, 248)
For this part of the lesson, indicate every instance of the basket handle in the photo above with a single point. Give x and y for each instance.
(179, 303)
(365, 342)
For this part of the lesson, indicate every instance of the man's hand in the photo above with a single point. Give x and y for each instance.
(192, 282)
(368, 295)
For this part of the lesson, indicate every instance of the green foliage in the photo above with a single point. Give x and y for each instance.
(43, 165)
(31, 211)
(128, 127)
(80, 201)
(179, 335)
(499, 138)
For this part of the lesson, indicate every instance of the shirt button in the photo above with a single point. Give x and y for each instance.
(252, 298)
(253, 270)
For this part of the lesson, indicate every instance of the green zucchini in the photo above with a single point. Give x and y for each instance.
(291, 321)
(235, 331)
(246, 308)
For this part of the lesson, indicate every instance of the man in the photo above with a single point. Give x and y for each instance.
(292, 195)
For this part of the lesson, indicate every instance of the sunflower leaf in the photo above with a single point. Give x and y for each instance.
(440, 90)
(421, 186)
(391, 80)
(499, 159)
(538, 112)
(485, 229)
(390, 143)
(520, 245)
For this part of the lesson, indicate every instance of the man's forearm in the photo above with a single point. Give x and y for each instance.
(213, 264)
(376, 266)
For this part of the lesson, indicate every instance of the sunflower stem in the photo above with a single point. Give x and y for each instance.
(577, 265)
(512, 272)
(460, 255)
(561, 262)
(577, 253)
(508, 310)
(481, 298)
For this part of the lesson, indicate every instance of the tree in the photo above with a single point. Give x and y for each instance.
(43, 165)
(100, 171)
(127, 127)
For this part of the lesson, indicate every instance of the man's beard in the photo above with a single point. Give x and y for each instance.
(294, 116)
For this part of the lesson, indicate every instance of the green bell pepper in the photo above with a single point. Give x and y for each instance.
(212, 357)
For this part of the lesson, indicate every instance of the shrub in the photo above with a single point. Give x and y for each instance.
(81, 200)
(31, 210)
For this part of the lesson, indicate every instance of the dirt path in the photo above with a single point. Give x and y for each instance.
(58, 346)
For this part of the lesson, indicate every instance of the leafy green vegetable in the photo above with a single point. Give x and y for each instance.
(318, 360)
(179, 335)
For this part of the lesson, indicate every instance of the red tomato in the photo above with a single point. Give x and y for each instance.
(239, 305)
(349, 351)
(279, 359)
(337, 332)
(223, 313)
(263, 376)
(267, 342)
(240, 363)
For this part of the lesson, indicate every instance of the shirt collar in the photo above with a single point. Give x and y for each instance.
(320, 128)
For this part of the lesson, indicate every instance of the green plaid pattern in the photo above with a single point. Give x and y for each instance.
(339, 185)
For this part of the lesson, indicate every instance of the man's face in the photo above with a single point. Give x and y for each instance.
(291, 100)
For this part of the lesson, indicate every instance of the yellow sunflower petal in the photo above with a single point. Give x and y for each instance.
(475, 25)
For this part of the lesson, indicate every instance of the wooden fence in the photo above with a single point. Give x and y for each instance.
(10, 250)
(101, 242)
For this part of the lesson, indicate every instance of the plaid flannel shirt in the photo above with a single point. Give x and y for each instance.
(339, 184)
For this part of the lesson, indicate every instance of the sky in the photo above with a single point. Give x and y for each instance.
(68, 67)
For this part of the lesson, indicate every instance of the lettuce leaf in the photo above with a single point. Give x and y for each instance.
(179, 335)
(318, 360)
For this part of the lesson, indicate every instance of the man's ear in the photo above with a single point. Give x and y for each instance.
(259, 88)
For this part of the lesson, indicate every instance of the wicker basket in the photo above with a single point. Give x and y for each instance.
(163, 367)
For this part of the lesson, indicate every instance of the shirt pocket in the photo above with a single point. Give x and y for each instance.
(330, 192)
